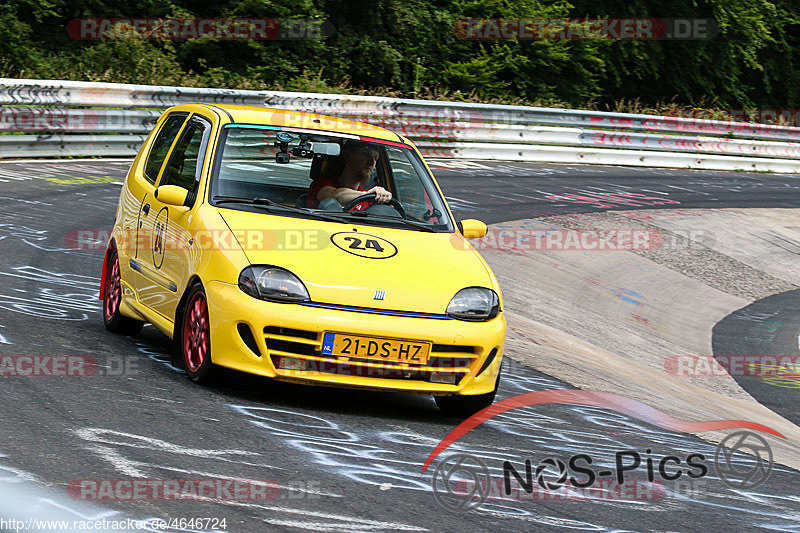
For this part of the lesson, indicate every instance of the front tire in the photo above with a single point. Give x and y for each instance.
(195, 337)
(112, 298)
(465, 406)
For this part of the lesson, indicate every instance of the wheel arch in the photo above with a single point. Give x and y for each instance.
(194, 278)
(112, 245)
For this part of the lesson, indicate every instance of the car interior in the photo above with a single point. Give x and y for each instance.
(287, 184)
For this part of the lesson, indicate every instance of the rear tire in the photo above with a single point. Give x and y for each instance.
(112, 298)
(465, 406)
(195, 337)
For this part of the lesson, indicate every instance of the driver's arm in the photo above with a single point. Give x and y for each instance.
(345, 194)
(326, 192)
(342, 195)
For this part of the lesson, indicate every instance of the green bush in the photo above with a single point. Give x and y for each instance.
(411, 48)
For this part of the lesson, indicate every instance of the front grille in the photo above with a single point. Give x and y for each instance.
(296, 352)
(289, 332)
(453, 348)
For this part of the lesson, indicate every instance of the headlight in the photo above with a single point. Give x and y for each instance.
(273, 284)
(475, 304)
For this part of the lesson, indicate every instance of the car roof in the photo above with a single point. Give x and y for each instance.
(243, 114)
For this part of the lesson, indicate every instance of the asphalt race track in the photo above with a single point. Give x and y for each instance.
(341, 460)
(769, 326)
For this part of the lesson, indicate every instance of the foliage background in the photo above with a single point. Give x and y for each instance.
(408, 48)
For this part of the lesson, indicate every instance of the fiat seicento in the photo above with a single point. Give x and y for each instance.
(303, 248)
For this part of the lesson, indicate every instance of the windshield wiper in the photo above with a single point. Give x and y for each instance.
(331, 216)
(365, 214)
(266, 202)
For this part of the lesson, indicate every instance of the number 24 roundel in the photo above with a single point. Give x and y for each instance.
(364, 245)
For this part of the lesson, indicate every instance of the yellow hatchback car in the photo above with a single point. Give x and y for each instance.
(303, 248)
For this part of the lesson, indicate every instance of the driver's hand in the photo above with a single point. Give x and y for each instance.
(382, 196)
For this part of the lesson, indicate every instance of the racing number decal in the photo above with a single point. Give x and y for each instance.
(371, 243)
(364, 245)
(159, 237)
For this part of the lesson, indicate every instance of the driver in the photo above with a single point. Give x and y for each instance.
(359, 159)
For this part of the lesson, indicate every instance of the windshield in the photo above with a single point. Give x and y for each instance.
(325, 174)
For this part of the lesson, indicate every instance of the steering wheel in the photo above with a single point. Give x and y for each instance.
(371, 196)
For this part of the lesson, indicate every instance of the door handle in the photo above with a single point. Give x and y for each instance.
(146, 209)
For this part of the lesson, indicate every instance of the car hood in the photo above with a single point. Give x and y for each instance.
(348, 264)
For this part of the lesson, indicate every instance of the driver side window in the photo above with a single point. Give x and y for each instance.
(161, 145)
(186, 163)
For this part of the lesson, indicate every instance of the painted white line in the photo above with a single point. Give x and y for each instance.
(105, 436)
(501, 197)
(121, 464)
(449, 198)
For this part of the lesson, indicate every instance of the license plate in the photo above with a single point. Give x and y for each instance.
(376, 348)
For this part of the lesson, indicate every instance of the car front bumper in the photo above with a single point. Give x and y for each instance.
(284, 341)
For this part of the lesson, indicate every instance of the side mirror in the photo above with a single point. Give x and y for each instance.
(472, 229)
(172, 195)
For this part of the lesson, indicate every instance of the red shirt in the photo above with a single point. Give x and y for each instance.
(324, 181)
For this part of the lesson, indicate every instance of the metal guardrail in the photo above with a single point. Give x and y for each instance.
(69, 115)
(22, 146)
(71, 120)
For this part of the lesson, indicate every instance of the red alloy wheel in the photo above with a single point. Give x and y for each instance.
(113, 290)
(196, 333)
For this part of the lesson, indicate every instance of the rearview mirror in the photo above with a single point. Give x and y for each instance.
(332, 149)
(172, 195)
(472, 229)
